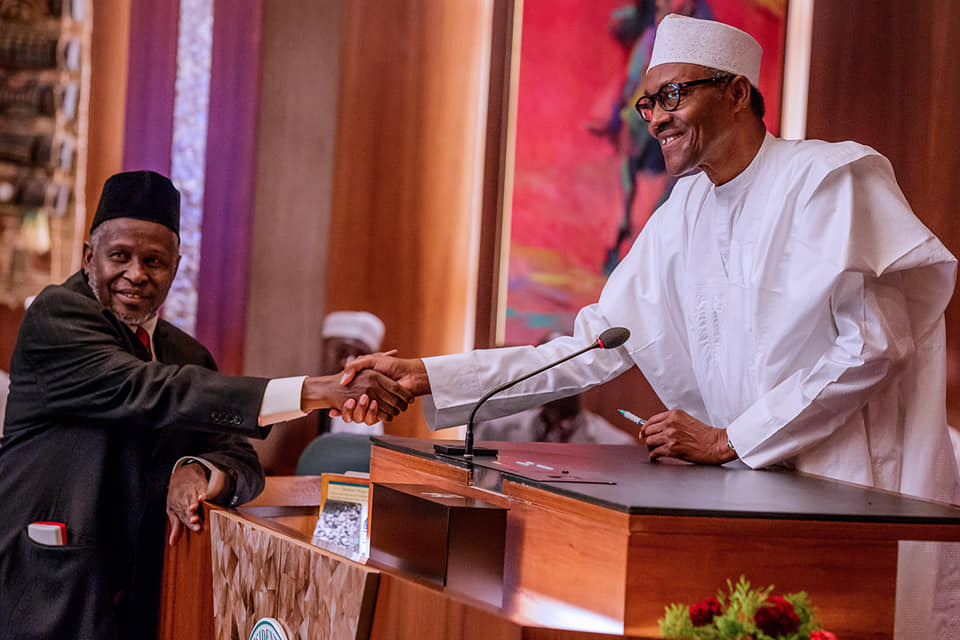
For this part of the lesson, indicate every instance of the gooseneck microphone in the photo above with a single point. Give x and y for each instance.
(609, 339)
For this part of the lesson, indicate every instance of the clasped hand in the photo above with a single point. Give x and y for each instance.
(366, 396)
(409, 374)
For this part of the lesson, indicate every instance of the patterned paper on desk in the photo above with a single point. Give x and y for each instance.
(342, 525)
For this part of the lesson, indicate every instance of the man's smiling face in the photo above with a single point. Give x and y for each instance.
(130, 264)
(696, 135)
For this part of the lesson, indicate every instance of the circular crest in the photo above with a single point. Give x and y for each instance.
(268, 629)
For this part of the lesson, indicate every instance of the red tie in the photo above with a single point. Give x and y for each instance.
(144, 337)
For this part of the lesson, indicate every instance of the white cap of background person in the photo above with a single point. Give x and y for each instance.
(355, 325)
(707, 43)
(367, 329)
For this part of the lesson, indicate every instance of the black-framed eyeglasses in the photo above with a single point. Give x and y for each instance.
(668, 97)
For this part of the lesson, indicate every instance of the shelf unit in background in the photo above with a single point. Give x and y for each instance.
(44, 88)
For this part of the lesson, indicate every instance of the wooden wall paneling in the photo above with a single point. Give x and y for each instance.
(497, 147)
(408, 172)
(110, 42)
(899, 98)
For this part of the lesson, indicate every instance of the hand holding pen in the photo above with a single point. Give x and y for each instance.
(677, 434)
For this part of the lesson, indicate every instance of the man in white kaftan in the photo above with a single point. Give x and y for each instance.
(815, 337)
(784, 303)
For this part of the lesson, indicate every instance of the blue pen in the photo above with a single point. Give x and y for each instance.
(632, 418)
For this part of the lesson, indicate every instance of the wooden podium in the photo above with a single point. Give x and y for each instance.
(597, 542)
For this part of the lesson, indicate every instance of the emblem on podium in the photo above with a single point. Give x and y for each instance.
(268, 629)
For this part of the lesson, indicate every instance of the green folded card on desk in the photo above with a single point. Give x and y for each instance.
(342, 521)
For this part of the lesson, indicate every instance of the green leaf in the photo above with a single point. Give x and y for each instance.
(676, 622)
(729, 628)
(739, 605)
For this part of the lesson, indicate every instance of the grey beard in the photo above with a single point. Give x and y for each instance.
(123, 317)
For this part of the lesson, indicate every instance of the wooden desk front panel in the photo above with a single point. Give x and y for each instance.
(631, 567)
(853, 582)
(566, 549)
(407, 610)
(627, 568)
(258, 573)
(556, 546)
(410, 611)
(186, 603)
(387, 465)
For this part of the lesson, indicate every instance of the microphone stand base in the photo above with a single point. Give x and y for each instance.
(459, 450)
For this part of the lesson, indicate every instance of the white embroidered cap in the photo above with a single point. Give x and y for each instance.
(355, 325)
(707, 43)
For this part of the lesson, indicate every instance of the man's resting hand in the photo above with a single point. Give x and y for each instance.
(188, 488)
(677, 434)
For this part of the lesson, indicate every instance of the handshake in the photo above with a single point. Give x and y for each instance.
(371, 388)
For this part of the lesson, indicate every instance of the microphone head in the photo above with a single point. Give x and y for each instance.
(613, 337)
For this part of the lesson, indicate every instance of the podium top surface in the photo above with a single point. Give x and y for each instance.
(620, 477)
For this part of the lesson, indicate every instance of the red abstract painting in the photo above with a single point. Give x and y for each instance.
(585, 177)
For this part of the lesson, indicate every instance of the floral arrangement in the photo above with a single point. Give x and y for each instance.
(744, 613)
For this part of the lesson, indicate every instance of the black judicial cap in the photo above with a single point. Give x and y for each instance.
(144, 195)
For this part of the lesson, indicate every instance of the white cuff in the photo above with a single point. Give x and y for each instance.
(216, 479)
(281, 400)
(204, 463)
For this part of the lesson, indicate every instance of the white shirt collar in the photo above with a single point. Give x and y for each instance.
(728, 191)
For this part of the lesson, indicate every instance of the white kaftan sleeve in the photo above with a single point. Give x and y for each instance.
(459, 381)
(878, 316)
(872, 344)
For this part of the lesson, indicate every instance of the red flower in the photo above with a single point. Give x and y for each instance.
(702, 613)
(776, 617)
(822, 635)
